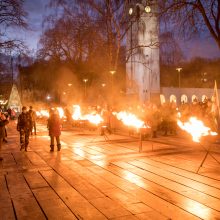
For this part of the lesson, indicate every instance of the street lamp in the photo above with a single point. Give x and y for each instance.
(112, 81)
(85, 81)
(179, 70)
(130, 12)
(112, 72)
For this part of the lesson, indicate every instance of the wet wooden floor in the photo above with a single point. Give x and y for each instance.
(91, 178)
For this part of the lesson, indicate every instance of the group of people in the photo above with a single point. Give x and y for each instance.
(3, 122)
(162, 118)
(27, 124)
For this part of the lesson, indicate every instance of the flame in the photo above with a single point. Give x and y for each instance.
(93, 118)
(76, 112)
(195, 128)
(129, 119)
(45, 113)
(61, 112)
(42, 113)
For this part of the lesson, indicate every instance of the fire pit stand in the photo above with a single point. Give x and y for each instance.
(208, 152)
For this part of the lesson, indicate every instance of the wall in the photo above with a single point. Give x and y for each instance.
(189, 92)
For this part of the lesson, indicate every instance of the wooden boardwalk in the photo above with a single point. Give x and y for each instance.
(91, 178)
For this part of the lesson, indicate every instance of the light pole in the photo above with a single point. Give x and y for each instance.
(130, 12)
(48, 98)
(179, 70)
(204, 79)
(112, 81)
(85, 81)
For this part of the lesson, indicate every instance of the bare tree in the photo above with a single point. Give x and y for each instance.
(189, 17)
(11, 15)
(170, 51)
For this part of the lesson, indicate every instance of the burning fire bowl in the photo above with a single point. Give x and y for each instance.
(210, 139)
(145, 130)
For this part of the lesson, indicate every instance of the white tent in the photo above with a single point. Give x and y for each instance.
(14, 101)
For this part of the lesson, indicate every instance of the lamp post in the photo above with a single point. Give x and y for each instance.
(179, 70)
(112, 79)
(85, 81)
(130, 12)
(48, 98)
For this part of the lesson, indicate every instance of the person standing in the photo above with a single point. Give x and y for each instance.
(33, 120)
(24, 127)
(3, 122)
(54, 127)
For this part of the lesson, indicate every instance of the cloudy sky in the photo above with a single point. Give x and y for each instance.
(37, 10)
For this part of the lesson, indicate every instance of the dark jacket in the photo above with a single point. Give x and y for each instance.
(2, 128)
(33, 115)
(54, 125)
(24, 121)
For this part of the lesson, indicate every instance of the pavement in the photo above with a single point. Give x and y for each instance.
(106, 177)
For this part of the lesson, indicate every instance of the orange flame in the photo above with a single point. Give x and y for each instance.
(60, 111)
(45, 113)
(42, 113)
(195, 128)
(129, 119)
(76, 112)
(93, 118)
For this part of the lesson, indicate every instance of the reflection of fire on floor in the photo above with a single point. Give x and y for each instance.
(107, 177)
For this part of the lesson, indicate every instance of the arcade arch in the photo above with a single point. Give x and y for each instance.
(184, 98)
(162, 99)
(204, 97)
(194, 97)
(172, 98)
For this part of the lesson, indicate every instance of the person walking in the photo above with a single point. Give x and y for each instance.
(54, 127)
(24, 127)
(3, 122)
(33, 120)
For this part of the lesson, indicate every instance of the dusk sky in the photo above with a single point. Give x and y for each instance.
(37, 10)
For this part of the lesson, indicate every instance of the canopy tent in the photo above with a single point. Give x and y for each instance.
(14, 101)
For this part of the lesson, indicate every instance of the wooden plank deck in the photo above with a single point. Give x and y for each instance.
(94, 179)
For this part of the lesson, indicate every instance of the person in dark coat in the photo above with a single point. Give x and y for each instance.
(24, 127)
(54, 127)
(3, 122)
(33, 120)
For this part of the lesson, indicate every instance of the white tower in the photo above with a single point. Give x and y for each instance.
(143, 69)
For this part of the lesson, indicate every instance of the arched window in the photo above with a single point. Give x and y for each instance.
(162, 99)
(184, 99)
(204, 98)
(173, 98)
(194, 98)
